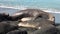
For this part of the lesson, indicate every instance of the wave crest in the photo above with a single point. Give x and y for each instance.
(14, 7)
(52, 11)
(23, 8)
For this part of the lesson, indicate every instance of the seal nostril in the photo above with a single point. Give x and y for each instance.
(40, 16)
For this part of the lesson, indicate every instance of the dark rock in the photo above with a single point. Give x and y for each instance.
(58, 29)
(17, 32)
(49, 29)
(6, 27)
(5, 17)
(28, 29)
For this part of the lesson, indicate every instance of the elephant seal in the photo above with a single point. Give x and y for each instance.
(38, 23)
(30, 13)
(35, 13)
(42, 26)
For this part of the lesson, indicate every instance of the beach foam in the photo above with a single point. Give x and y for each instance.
(23, 8)
(13, 7)
(52, 11)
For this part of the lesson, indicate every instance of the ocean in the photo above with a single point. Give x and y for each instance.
(50, 6)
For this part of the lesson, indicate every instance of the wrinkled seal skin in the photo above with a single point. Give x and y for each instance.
(35, 13)
(36, 23)
(46, 26)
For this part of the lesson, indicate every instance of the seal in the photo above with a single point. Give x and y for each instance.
(34, 13)
(38, 23)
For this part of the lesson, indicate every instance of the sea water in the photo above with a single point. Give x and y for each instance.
(51, 6)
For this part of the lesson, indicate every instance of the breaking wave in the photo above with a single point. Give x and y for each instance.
(23, 8)
(52, 11)
(13, 7)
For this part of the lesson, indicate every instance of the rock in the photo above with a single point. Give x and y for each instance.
(4, 17)
(34, 13)
(3, 26)
(17, 32)
(49, 29)
(58, 29)
(6, 27)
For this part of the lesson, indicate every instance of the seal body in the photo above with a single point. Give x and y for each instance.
(42, 26)
(34, 13)
(38, 23)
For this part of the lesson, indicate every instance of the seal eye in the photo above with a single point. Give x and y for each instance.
(40, 16)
